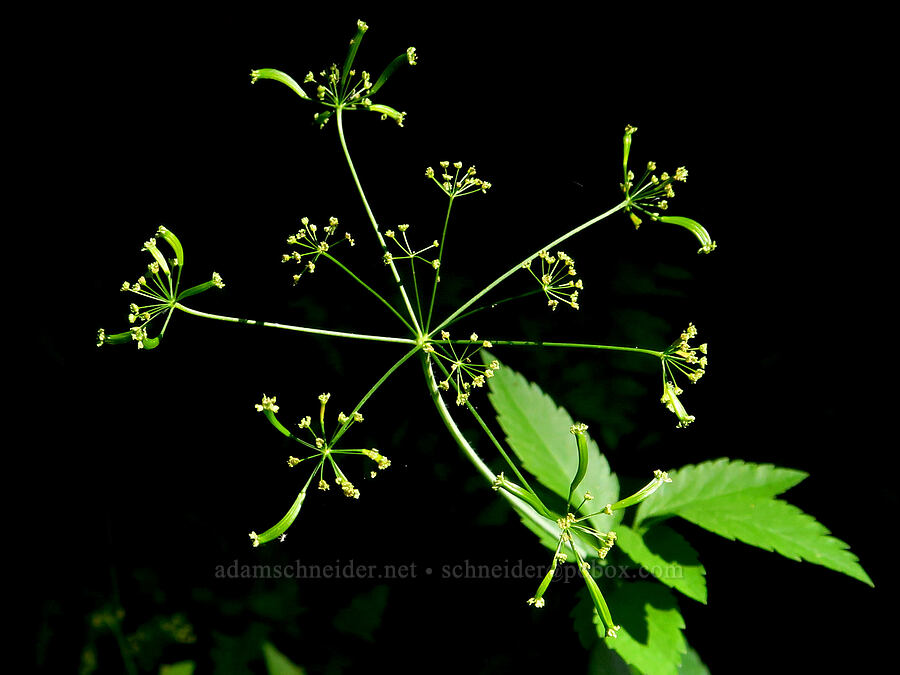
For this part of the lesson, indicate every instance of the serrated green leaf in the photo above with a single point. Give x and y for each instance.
(277, 663)
(715, 483)
(605, 661)
(775, 525)
(537, 430)
(668, 556)
(650, 638)
(736, 500)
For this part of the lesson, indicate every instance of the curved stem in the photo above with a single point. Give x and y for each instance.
(514, 269)
(299, 329)
(374, 388)
(523, 507)
(493, 439)
(362, 195)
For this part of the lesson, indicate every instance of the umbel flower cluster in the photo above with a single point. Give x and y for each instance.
(342, 87)
(650, 194)
(683, 359)
(158, 290)
(456, 185)
(556, 279)
(402, 242)
(464, 373)
(319, 449)
(454, 368)
(575, 530)
(311, 244)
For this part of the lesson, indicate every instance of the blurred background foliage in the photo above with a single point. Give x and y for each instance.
(153, 467)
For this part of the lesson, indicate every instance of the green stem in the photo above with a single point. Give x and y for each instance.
(577, 345)
(493, 439)
(472, 456)
(299, 329)
(440, 258)
(371, 290)
(362, 195)
(374, 388)
(412, 269)
(514, 269)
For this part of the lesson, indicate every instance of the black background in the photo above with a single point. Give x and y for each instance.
(150, 468)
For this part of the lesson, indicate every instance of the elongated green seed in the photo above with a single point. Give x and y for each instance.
(150, 343)
(150, 246)
(387, 111)
(278, 76)
(598, 600)
(659, 477)
(282, 525)
(387, 72)
(361, 29)
(707, 244)
(517, 491)
(578, 430)
(169, 237)
(194, 290)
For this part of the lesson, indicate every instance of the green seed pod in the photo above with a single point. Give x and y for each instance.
(115, 339)
(150, 343)
(673, 403)
(598, 600)
(659, 477)
(172, 241)
(538, 599)
(387, 72)
(517, 491)
(626, 143)
(278, 425)
(278, 76)
(282, 525)
(361, 29)
(194, 290)
(150, 246)
(578, 430)
(387, 111)
(707, 244)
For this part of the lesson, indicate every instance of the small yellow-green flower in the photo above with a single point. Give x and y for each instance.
(557, 279)
(681, 358)
(343, 88)
(158, 291)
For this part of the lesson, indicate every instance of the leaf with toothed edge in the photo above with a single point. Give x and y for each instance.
(537, 430)
(736, 500)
